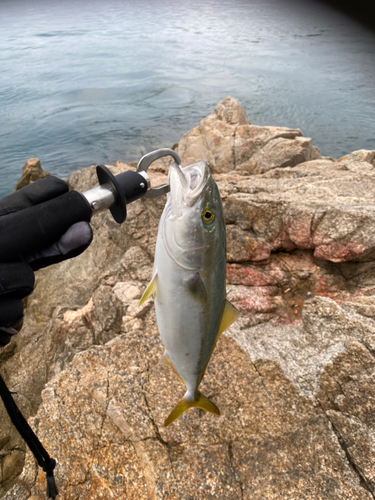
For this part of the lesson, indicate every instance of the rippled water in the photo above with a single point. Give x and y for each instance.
(89, 82)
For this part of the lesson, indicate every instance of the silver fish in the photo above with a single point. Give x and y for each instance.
(189, 280)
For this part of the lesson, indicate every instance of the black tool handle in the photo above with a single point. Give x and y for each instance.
(27, 231)
(127, 187)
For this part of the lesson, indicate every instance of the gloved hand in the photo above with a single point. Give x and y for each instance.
(40, 225)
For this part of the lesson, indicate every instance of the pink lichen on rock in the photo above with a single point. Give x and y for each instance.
(340, 252)
(253, 299)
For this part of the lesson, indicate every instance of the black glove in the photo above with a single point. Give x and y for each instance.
(40, 225)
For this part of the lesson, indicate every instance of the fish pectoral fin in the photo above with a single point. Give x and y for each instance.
(201, 402)
(196, 287)
(151, 287)
(230, 314)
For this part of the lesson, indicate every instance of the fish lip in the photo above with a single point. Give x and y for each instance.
(187, 185)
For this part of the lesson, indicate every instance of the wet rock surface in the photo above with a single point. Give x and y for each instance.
(293, 377)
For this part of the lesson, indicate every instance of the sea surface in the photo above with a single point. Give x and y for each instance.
(84, 82)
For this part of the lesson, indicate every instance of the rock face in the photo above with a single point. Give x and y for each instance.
(271, 442)
(293, 377)
(228, 142)
(31, 172)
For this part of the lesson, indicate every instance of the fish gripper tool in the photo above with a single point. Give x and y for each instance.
(42, 224)
(116, 191)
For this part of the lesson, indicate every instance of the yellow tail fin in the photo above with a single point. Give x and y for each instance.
(183, 405)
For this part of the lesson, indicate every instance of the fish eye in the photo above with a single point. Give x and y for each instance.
(208, 215)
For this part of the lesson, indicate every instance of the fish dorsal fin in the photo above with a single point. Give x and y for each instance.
(230, 314)
(151, 287)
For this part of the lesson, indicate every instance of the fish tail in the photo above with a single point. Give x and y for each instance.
(200, 402)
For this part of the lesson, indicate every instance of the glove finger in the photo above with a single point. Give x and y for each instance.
(72, 243)
(33, 194)
(77, 236)
(16, 279)
(11, 318)
(38, 227)
(5, 338)
(11, 311)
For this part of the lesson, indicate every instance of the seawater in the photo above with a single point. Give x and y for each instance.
(88, 82)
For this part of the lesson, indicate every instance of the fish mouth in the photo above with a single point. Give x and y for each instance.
(187, 185)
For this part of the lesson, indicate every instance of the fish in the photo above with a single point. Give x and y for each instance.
(189, 280)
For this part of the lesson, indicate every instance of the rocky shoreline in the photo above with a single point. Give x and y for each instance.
(293, 377)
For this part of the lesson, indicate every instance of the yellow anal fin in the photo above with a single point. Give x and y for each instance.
(230, 314)
(202, 402)
(151, 287)
(164, 360)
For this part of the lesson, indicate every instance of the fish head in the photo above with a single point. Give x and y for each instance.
(194, 227)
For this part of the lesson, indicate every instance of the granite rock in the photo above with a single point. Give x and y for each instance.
(102, 418)
(227, 141)
(31, 172)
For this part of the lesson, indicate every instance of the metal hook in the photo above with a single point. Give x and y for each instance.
(146, 161)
